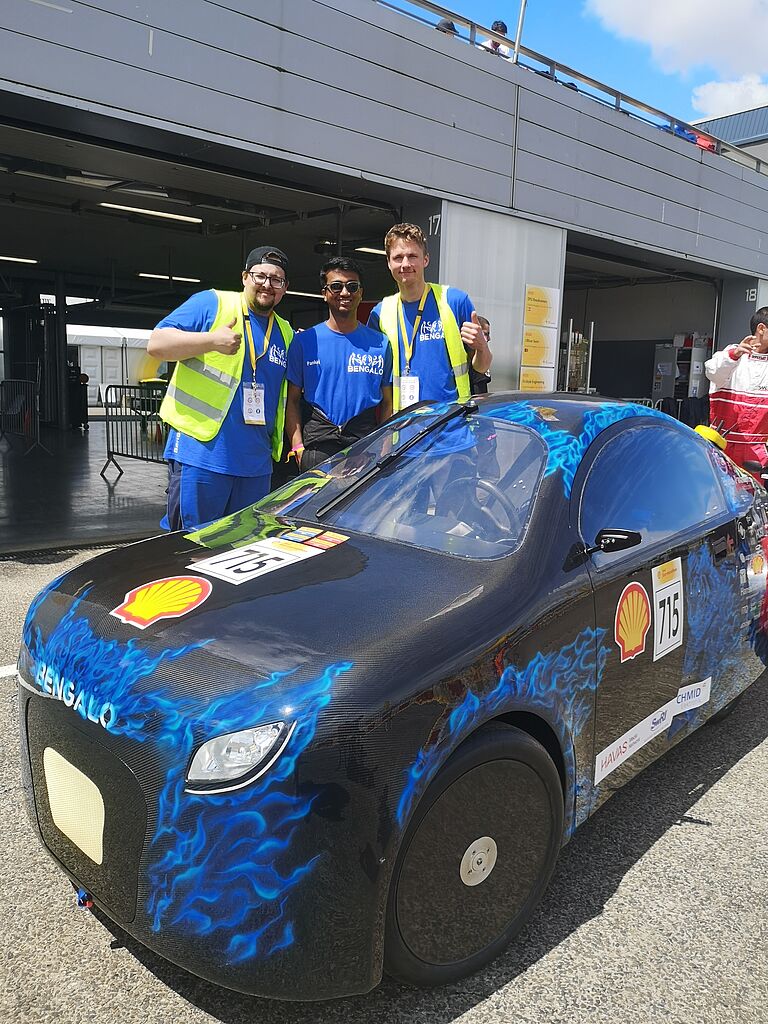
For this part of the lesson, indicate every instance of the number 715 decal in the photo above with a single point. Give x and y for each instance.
(668, 608)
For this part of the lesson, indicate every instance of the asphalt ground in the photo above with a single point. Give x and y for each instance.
(658, 910)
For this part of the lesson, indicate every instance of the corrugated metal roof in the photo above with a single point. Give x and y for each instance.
(746, 126)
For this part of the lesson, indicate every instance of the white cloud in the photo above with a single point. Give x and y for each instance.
(727, 37)
(716, 99)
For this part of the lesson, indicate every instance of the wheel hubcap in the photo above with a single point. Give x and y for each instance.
(478, 861)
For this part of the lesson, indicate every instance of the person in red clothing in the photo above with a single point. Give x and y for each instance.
(738, 399)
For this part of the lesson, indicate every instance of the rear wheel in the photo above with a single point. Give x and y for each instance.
(475, 859)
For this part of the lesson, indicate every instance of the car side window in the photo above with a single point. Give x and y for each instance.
(651, 479)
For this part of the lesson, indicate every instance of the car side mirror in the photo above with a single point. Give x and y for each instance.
(609, 541)
(752, 466)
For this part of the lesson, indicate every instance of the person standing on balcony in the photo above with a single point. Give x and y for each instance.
(342, 369)
(433, 329)
(492, 45)
(226, 399)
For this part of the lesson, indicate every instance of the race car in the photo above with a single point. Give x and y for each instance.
(348, 729)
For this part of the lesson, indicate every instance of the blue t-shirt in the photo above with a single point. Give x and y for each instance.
(239, 449)
(340, 374)
(430, 361)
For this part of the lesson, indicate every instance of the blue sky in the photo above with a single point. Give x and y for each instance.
(689, 58)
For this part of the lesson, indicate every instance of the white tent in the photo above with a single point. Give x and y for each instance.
(111, 355)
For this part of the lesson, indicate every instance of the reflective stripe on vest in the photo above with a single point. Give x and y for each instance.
(202, 388)
(457, 354)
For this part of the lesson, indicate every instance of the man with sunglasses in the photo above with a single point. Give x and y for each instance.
(226, 399)
(342, 369)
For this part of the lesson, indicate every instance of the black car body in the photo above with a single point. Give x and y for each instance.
(433, 674)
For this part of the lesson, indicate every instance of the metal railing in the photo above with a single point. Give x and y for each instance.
(583, 84)
(133, 426)
(20, 411)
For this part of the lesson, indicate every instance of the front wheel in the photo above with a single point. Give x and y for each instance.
(475, 859)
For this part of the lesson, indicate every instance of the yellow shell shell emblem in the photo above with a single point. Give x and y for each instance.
(633, 620)
(168, 598)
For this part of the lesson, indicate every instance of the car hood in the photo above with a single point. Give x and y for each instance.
(153, 618)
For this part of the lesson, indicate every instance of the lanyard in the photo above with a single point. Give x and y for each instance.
(249, 335)
(408, 346)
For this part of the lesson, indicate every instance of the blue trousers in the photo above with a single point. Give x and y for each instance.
(198, 496)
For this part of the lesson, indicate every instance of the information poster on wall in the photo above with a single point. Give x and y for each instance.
(539, 346)
(540, 338)
(537, 378)
(542, 306)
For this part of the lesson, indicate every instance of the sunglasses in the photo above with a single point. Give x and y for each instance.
(337, 287)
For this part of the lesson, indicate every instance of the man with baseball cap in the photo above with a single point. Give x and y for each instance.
(226, 399)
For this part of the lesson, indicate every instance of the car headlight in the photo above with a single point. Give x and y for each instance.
(237, 758)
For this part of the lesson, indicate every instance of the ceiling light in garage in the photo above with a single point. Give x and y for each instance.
(167, 277)
(153, 213)
(17, 259)
(306, 295)
(375, 252)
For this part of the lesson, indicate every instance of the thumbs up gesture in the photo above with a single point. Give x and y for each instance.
(226, 339)
(472, 334)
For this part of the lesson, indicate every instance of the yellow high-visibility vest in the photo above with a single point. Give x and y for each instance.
(202, 388)
(457, 354)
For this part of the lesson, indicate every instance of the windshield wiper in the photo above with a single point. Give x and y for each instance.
(386, 460)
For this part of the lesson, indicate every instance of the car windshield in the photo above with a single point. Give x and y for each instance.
(465, 486)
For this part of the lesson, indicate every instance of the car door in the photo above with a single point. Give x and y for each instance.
(659, 482)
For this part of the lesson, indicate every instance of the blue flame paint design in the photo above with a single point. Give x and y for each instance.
(714, 627)
(561, 683)
(715, 645)
(105, 669)
(219, 865)
(222, 861)
(566, 450)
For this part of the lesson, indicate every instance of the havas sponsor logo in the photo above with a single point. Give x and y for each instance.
(364, 362)
(278, 355)
(87, 704)
(687, 698)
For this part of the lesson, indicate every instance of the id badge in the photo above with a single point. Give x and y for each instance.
(253, 405)
(409, 391)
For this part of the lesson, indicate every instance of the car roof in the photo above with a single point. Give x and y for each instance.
(569, 412)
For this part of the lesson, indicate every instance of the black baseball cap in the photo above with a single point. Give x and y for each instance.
(444, 25)
(267, 254)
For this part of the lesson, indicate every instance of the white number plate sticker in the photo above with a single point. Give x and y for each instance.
(668, 608)
(258, 559)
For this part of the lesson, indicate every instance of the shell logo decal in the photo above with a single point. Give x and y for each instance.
(633, 620)
(168, 598)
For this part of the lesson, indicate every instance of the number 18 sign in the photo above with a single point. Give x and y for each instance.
(668, 608)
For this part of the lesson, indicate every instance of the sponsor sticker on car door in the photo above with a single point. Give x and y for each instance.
(668, 608)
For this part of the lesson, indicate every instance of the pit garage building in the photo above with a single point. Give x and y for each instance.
(147, 145)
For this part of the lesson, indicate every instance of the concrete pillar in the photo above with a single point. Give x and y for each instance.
(57, 361)
(495, 257)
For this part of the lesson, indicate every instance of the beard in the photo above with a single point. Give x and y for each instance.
(262, 308)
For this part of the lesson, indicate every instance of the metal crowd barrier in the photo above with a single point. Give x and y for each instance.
(20, 411)
(133, 425)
